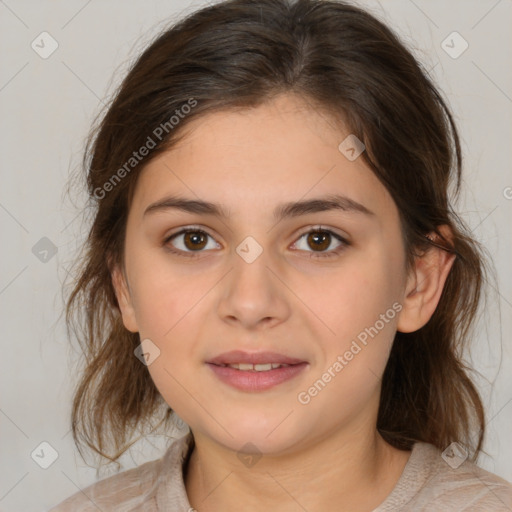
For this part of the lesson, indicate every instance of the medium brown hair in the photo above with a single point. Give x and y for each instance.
(347, 64)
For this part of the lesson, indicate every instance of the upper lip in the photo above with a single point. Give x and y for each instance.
(239, 356)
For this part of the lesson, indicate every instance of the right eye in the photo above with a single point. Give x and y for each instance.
(189, 240)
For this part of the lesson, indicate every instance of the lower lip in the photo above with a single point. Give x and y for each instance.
(256, 381)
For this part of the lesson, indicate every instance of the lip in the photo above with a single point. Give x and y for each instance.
(239, 356)
(255, 381)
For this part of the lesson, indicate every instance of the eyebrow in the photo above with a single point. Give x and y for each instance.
(285, 210)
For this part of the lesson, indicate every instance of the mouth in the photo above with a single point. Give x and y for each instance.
(255, 372)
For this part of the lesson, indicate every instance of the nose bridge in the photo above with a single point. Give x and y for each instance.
(249, 250)
(251, 262)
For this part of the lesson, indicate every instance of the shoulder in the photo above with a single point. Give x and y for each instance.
(123, 491)
(131, 490)
(448, 481)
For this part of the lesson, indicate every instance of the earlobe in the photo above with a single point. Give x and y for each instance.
(424, 286)
(124, 299)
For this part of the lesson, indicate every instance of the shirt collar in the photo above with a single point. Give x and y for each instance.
(171, 492)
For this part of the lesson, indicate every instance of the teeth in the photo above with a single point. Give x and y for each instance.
(256, 367)
(263, 367)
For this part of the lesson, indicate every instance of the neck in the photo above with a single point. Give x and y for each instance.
(339, 472)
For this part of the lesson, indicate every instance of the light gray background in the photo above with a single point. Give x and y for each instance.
(46, 107)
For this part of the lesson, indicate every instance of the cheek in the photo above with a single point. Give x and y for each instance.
(169, 305)
(355, 298)
(360, 305)
(165, 295)
(349, 376)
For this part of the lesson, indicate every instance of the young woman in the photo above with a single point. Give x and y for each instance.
(275, 259)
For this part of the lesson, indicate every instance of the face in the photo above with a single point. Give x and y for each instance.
(317, 289)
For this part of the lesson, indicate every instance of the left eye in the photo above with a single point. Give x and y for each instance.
(321, 239)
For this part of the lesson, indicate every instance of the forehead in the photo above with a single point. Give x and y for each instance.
(253, 159)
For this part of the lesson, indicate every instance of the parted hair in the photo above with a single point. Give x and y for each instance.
(351, 66)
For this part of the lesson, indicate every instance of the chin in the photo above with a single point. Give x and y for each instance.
(255, 434)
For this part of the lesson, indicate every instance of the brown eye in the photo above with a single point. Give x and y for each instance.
(190, 240)
(318, 242)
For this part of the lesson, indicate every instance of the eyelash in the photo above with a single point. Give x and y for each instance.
(314, 254)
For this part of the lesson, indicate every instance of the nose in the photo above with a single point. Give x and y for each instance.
(252, 294)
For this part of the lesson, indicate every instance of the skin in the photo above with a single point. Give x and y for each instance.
(286, 301)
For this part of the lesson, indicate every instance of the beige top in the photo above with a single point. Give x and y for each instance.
(428, 483)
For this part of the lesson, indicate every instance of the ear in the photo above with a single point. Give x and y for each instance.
(124, 299)
(425, 284)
